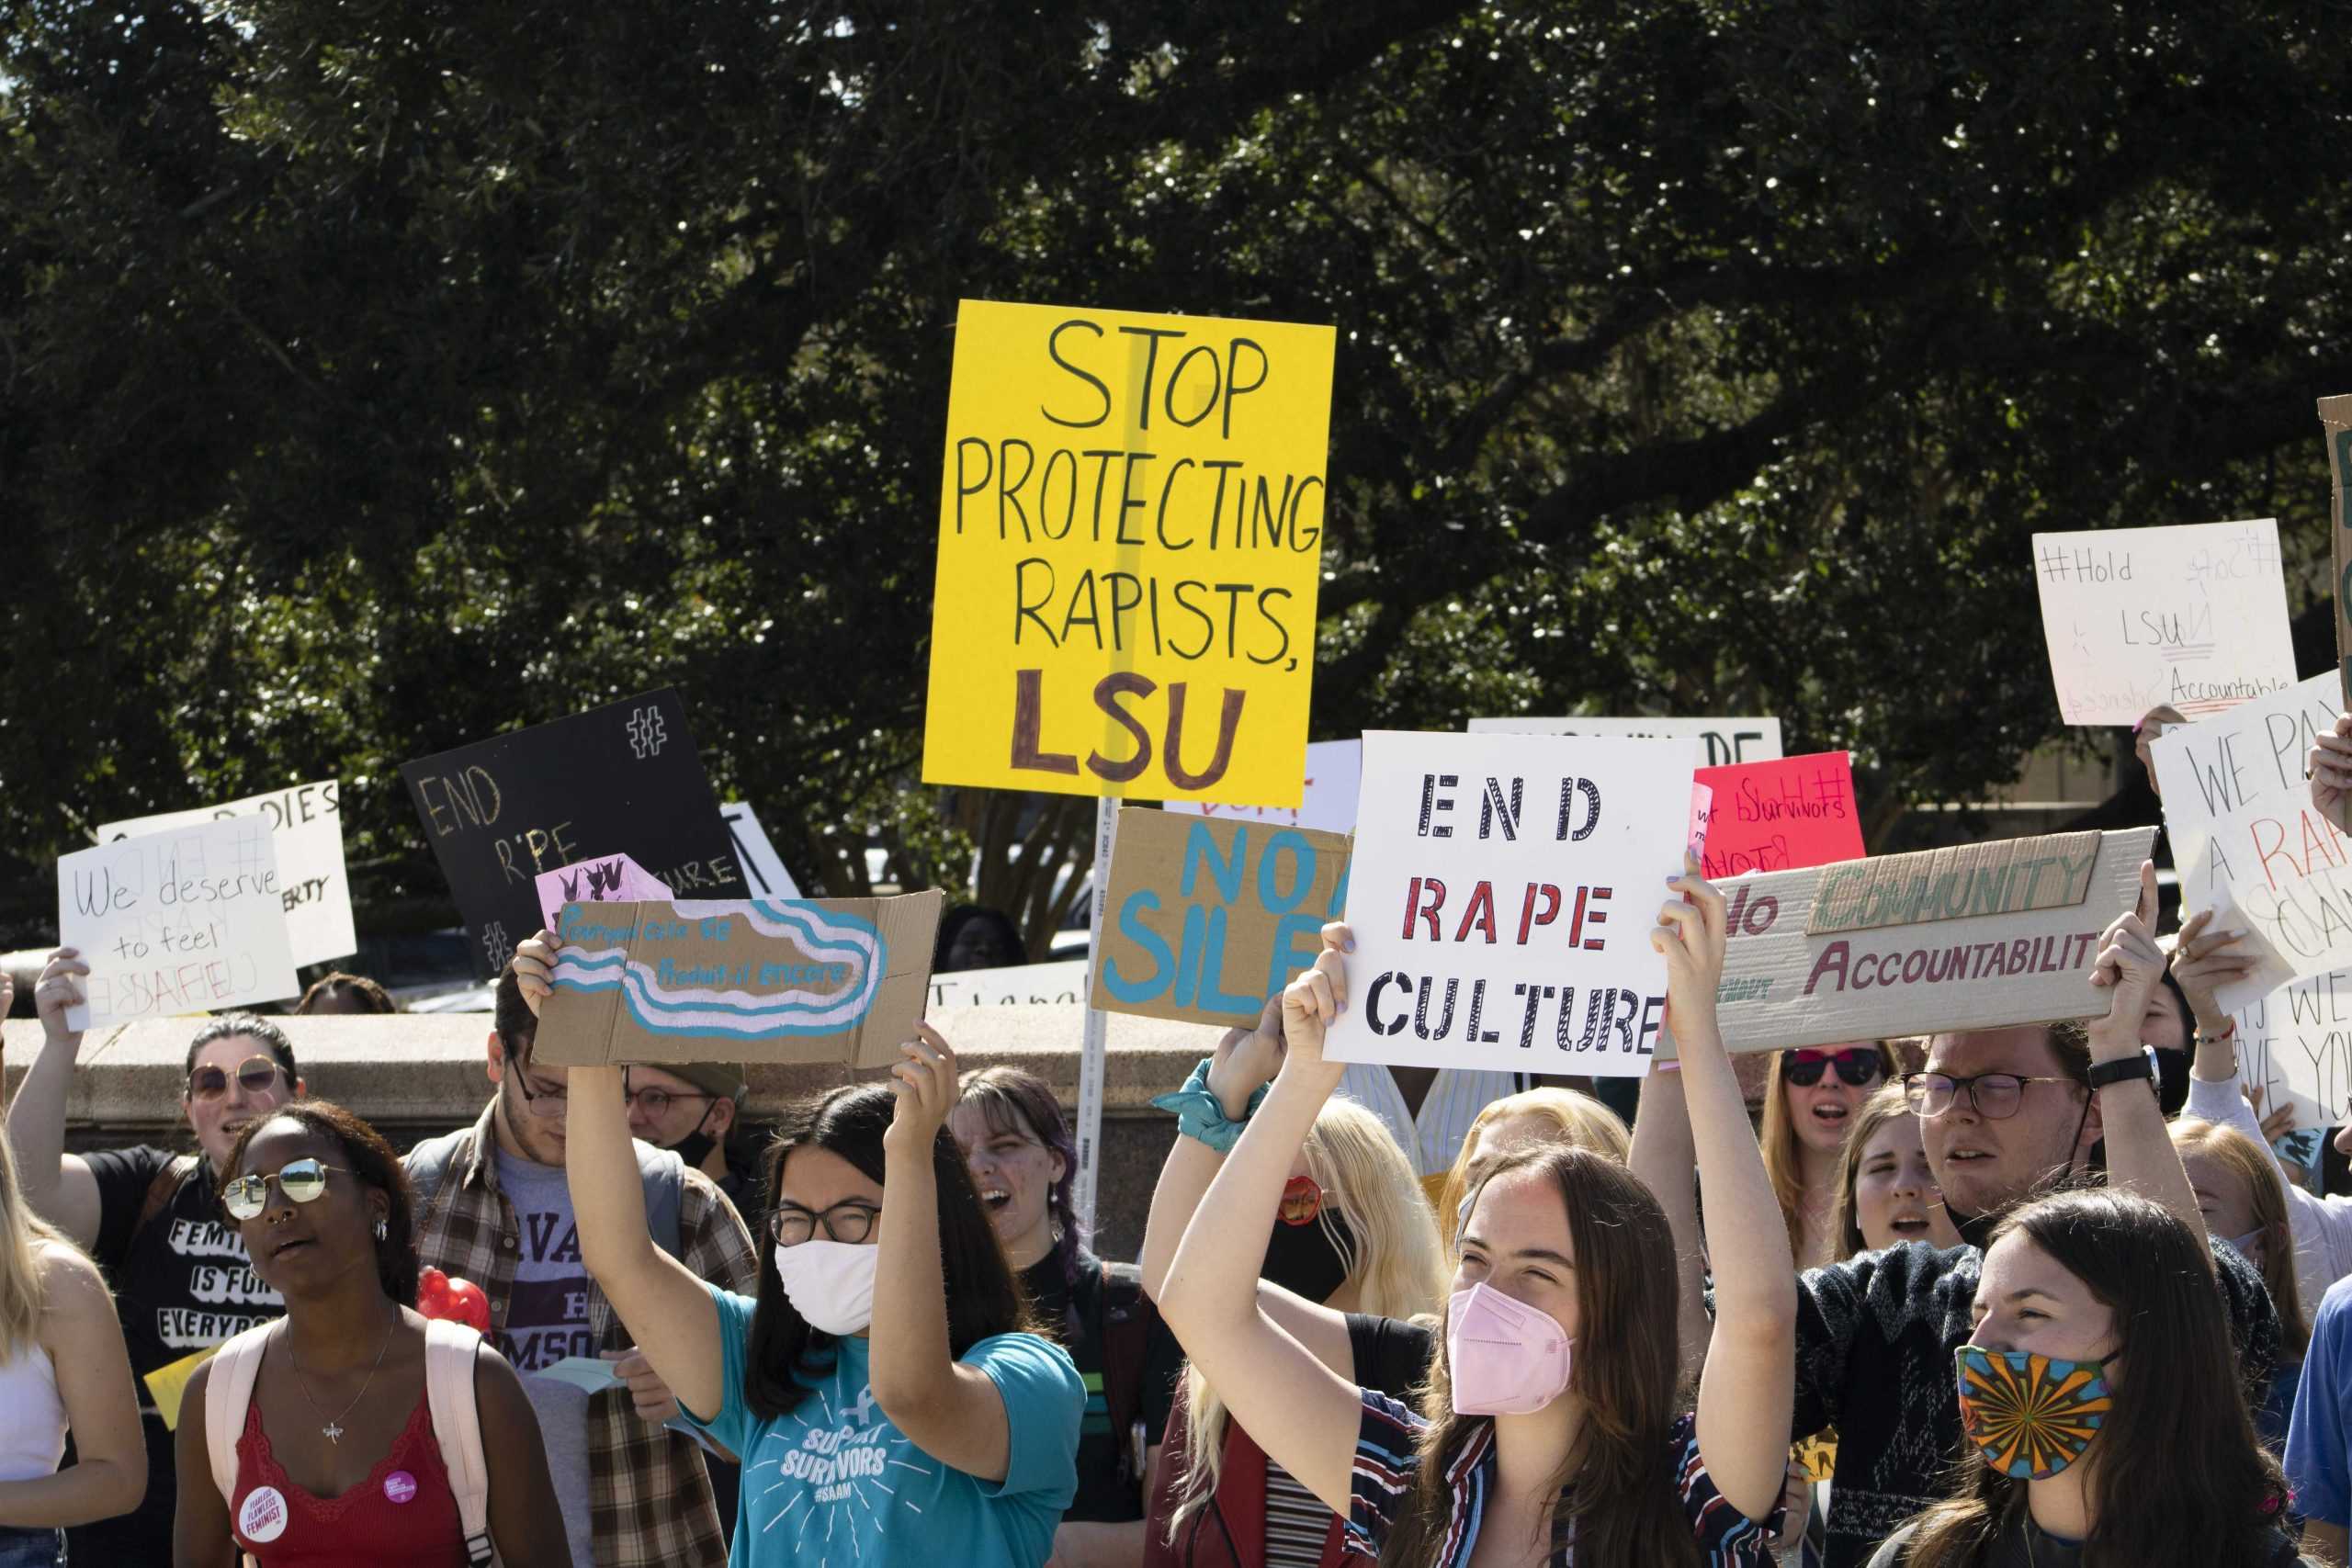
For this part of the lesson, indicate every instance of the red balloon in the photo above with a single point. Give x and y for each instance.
(468, 1304)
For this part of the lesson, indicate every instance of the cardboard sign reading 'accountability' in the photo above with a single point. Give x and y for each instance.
(2193, 615)
(2248, 840)
(1782, 814)
(1978, 937)
(189, 919)
(1209, 918)
(812, 981)
(306, 824)
(1726, 739)
(1502, 896)
(623, 778)
(1130, 542)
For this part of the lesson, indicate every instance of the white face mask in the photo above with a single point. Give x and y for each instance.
(829, 1283)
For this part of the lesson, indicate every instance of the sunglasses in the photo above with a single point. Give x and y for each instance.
(255, 1075)
(1857, 1065)
(1302, 1200)
(303, 1182)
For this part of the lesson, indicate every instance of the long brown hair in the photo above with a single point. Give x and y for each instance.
(2179, 1478)
(1620, 1500)
(1778, 1135)
(2266, 1195)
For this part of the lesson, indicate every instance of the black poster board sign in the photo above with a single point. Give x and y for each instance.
(622, 779)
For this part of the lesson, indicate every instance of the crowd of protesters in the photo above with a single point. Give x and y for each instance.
(2036, 1295)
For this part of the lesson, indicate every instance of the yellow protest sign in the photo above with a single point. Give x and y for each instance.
(1130, 540)
(167, 1383)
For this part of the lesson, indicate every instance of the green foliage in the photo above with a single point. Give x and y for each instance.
(373, 377)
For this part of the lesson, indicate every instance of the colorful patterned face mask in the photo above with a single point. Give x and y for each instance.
(2029, 1415)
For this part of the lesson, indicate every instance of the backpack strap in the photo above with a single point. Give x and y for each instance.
(161, 1191)
(1123, 1318)
(228, 1392)
(449, 1349)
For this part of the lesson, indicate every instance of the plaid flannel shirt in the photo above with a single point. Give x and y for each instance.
(648, 1490)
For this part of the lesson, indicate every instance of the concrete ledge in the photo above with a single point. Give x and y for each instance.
(413, 1075)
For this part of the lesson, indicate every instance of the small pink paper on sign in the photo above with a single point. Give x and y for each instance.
(1785, 815)
(599, 879)
(1703, 804)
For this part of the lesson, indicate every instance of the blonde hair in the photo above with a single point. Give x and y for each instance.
(1578, 1121)
(2268, 1198)
(1398, 1266)
(1778, 1135)
(24, 1236)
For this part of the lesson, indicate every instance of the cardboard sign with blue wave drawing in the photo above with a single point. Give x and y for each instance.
(741, 980)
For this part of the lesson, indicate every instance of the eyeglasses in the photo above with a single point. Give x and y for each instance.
(656, 1102)
(548, 1102)
(1303, 1200)
(255, 1075)
(1994, 1096)
(1857, 1066)
(851, 1222)
(302, 1180)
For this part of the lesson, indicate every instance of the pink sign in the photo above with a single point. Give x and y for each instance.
(1785, 815)
(599, 879)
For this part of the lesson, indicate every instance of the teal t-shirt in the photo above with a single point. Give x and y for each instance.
(834, 1485)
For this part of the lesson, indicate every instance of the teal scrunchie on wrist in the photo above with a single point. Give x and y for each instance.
(1200, 1114)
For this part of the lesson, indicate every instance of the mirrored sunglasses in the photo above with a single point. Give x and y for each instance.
(302, 1180)
(1302, 1200)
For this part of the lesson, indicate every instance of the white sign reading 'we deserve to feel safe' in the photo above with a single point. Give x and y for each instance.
(189, 919)
(306, 826)
(2194, 616)
(1502, 896)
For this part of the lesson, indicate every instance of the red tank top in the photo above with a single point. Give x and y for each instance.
(405, 1511)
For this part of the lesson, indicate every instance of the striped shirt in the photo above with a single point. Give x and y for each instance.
(1384, 1475)
(1431, 1137)
(1296, 1522)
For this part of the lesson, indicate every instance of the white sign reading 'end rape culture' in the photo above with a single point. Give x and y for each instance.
(190, 920)
(1502, 897)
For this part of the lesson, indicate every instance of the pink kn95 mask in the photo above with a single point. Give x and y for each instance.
(1506, 1357)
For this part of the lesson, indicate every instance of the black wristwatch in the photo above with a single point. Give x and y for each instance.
(2142, 1065)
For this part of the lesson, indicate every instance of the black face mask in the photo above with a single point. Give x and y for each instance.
(1304, 1261)
(2172, 1080)
(696, 1146)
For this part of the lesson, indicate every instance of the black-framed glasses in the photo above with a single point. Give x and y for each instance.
(254, 1075)
(1857, 1065)
(302, 1180)
(1994, 1096)
(850, 1222)
(547, 1102)
(656, 1102)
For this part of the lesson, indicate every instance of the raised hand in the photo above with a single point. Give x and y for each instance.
(2206, 958)
(2129, 963)
(2330, 767)
(1310, 1004)
(60, 987)
(1247, 1059)
(1691, 934)
(924, 1085)
(535, 968)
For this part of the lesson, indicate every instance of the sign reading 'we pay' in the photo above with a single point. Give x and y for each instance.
(1130, 541)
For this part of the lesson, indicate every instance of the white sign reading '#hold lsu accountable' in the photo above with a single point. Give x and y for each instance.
(2193, 615)
(189, 919)
(2248, 842)
(1502, 896)
(1977, 937)
(306, 822)
(1728, 740)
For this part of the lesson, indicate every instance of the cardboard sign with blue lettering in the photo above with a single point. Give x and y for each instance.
(1209, 915)
(739, 980)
